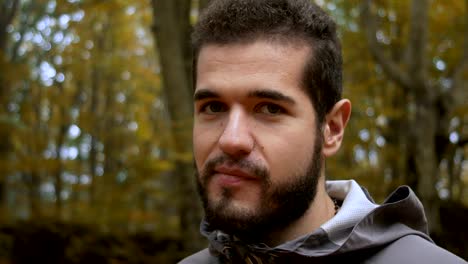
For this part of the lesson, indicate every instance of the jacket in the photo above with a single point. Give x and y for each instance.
(361, 232)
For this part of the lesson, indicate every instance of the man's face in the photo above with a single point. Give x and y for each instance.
(256, 142)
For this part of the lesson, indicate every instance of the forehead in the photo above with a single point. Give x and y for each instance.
(260, 64)
(273, 48)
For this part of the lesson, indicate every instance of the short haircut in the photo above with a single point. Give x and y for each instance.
(226, 22)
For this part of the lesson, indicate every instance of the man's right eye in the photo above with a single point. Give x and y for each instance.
(213, 108)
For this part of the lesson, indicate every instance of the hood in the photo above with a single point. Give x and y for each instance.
(360, 224)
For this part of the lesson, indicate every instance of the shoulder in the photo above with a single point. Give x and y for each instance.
(201, 257)
(414, 249)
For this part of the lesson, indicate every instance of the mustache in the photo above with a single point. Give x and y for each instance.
(252, 168)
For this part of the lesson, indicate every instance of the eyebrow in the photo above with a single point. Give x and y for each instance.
(265, 94)
(272, 95)
(205, 94)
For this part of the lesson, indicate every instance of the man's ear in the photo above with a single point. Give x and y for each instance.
(334, 127)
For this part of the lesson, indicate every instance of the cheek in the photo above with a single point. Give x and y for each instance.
(290, 155)
(204, 141)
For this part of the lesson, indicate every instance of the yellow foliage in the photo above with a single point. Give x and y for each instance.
(112, 98)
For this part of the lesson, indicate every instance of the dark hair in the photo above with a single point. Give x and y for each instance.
(245, 21)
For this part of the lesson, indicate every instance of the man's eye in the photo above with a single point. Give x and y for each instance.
(270, 109)
(213, 107)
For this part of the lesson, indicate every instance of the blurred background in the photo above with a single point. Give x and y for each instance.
(95, 122)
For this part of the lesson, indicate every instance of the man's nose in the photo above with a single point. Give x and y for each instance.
(237, 140)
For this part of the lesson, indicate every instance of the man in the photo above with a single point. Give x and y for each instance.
(268, 112)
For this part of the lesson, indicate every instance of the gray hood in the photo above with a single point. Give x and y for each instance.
(359, 226)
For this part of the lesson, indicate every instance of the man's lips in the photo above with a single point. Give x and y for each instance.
(234, 172)
(232, 175)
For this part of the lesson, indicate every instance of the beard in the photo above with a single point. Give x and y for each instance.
(279, 205)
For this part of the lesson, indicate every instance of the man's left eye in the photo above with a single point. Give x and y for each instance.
(270, 109)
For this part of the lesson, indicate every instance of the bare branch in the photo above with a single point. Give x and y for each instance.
(389, 66)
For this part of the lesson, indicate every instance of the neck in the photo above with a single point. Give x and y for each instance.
(320, 211)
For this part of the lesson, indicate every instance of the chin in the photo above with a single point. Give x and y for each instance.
(233, 217)
(232, 205)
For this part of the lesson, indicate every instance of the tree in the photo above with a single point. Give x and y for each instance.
(430, 104)
(8, 11)
(172, 32)
(87, 127)
(91, 134)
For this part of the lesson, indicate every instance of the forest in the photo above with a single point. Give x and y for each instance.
(96, 160)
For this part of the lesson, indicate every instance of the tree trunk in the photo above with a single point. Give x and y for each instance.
(95, 87)
(36, 146)
(424, 132)
(59, 171)
(8, 10)
(422, 121)
(171, 27)
(59, 160)
(34, 195)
